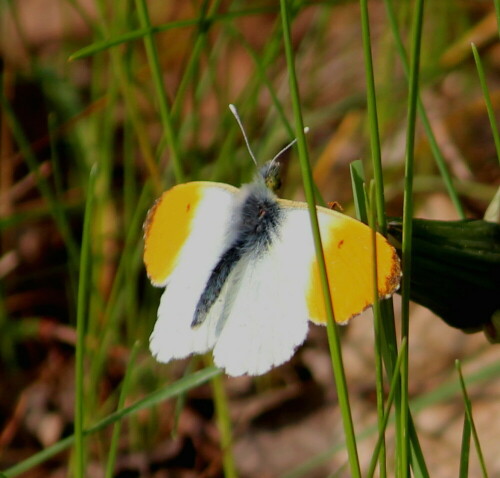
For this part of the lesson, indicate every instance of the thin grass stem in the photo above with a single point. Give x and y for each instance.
(81, 314)
(436, 151)
(470, 418)
(443, 394)
(416, 37)
(125, 389)
(194, 57)
(333, 336)
(154, 64)
(128, 93)
(386, 413)
(371, 97)
(173, 390)
(224, 425)
(380, 454)
(358, 192)
(497, 11)
(134, 35)
(487, 99)
(463, 471)
(55, 206)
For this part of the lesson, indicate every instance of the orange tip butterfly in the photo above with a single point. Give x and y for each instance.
(240, 273)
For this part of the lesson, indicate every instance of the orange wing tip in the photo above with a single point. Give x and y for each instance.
(173, 219)
(392, 284)
(389, 278)
(146, 229)
(166, 229)
(393, 280)
(346, 321)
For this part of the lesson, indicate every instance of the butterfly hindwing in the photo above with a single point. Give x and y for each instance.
(267, 317)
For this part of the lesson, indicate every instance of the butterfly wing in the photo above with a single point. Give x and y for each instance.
(273, 295)
(266, 313)
(185, 234)
(349, 256)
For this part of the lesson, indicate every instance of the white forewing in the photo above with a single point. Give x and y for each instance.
(266, 316)
(173, 336)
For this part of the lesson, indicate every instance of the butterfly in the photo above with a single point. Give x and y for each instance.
(240, 272)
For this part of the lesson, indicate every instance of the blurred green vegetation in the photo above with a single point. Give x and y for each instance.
(140, 92)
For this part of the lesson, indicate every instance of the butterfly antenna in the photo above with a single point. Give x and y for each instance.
(288, 146)
(240, 124)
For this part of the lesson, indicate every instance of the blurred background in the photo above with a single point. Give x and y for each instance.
(65, 109)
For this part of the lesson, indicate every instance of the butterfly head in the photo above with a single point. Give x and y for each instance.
(270, 173)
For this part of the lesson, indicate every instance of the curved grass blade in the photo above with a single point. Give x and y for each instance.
(170, 391)
(141, 32)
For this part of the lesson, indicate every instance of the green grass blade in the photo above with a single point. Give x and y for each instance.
(333, 336)
(125, 388)
(81, 322)
(390, 399)
(110, 314)
(487, 99)
(468, 412)
(497, 11)
(417, 456)
(386, 327)
(465, 449)
(380, 452)
(180, 401)
(443, 394)
(371, 98)
(438, 156)
(194, 58)
(416, 38)
(138, 34)
(154, 64)
(55, 206)
(120, 69)
(224, 424)
(358, 190)
(262, 63)
(170, 391)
